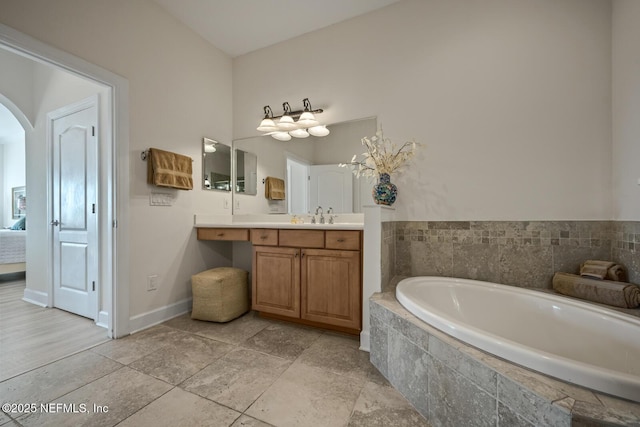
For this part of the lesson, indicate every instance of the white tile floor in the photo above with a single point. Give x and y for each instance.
(249, 372)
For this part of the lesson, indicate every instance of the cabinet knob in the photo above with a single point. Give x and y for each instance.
(263, 237)
(220, 234)
(340, 240)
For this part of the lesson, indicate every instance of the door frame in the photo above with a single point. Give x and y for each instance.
(52, 116)
(113, 170)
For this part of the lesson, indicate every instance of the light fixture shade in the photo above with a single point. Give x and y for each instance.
(209, 148)
(267, 125)
(299, 133)
(286, 123)
(307, 120)
(281, 136)
(319, 130)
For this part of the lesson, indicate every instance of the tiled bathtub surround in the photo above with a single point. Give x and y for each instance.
(518, 253)
(453, 384)
(626, 247)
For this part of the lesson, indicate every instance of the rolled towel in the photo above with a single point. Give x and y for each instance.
(618, 294)
(603, 270)
(617, 273)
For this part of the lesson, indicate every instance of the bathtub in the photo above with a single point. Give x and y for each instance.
(574, 341)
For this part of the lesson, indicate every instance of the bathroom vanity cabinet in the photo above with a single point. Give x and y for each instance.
(310, 276)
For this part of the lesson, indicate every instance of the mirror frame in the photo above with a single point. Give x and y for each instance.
(205, 176)
(234, 160)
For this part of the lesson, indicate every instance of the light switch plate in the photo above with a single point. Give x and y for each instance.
(160, 199)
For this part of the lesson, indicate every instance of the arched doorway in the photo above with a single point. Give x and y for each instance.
(12, 158)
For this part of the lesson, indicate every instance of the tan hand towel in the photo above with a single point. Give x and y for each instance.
(618, 294)
(594, 269)
(274, 188)
(167, 169)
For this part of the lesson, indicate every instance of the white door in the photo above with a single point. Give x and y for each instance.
(331, 187)
(297, 187)
(74, 197)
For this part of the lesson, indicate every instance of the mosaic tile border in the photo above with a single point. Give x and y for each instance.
(518, 253)
(518, 233)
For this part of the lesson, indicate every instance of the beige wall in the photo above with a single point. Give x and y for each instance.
(16, 79)
(626, 110)
(179, 91)
(510, 97)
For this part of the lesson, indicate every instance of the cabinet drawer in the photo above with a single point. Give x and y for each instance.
(302, 238)
(264, 237)
(223, 234)
(341, 239)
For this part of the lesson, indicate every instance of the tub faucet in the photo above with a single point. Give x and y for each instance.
(319, 209)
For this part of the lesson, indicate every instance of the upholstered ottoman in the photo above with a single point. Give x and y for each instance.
(220, 294)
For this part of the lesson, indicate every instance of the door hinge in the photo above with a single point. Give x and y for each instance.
(308, 177)
(93, 208)
(93, 285)
(93, 131)
(115, 223)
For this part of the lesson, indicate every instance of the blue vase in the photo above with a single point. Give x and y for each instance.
(384, 192)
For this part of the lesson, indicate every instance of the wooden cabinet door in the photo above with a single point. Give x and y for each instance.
(276, 280)
(330, 287)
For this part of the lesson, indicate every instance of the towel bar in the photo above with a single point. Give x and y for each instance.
(144, 154)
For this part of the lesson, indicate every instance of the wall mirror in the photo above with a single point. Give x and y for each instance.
(216, 165)
(246, 172)
(309, 168)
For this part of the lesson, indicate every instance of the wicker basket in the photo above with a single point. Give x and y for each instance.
(220, 294)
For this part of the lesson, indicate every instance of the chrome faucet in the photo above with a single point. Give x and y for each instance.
(331, 216)
(319, 209)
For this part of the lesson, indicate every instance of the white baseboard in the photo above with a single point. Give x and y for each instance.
(35, 297)
(159, 315)
(365, 341)
(103, 319)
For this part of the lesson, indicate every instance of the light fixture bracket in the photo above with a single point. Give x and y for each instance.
(268, 112)
(269, 126)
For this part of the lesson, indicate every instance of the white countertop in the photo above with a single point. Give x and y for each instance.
(336, 226)
(349, 222)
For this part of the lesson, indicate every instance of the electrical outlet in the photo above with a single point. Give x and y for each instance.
(225, 203)
(237, 204)
(152, 282)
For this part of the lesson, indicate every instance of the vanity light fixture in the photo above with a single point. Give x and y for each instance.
(320, 130)
(267, 124)
(281, 136)
(209, 145)
(285, 126)
(299, 133)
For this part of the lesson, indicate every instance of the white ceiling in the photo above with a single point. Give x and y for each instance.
(241, 26)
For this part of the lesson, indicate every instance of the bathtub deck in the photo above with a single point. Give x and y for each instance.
(452, 383)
